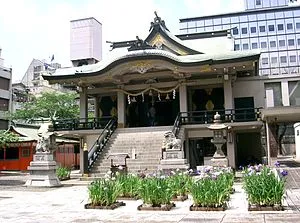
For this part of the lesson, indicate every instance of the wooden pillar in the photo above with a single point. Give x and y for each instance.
(83, 103)
(121, 109)
(183, 98)
(96, 106)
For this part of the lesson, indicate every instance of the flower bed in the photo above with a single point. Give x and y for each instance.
(264, 187)
(129, 184)
(212, 189)
(180, 181)
(155, 191)
(103, 194)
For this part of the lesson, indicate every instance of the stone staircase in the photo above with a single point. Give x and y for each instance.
(142, 144)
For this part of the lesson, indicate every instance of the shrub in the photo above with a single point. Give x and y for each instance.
(63, 173)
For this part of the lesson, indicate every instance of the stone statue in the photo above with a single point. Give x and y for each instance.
(44, 145)
(171, 142)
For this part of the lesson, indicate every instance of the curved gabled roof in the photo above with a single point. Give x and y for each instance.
(150, 54)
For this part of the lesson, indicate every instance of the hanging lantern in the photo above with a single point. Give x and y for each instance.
(168, 97)
(128, 98)
(150, 93)
(174, 94)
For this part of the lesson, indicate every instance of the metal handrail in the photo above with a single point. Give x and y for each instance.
(177, 124)
(101, 141)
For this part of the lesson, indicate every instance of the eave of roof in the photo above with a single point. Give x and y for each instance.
(186, 60)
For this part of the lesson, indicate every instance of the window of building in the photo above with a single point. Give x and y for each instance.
(282, 42)
(12, 153)
(298, 42)
(298, 25)
(292, 58)
(253, 29)
(271, 28)
(245, 46)
(272, 43)
(283, 59)
(262, 29)
(244, 30)
(264, 60)
(258, 2)
(273, 60)
(263, 45)
(280, 27)
(289, 26)
(235, 31)
(236, 46)
(254, 46)
(25, 152)
(291, 42)
(2, 154)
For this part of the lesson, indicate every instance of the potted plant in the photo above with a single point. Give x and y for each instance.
(180, 181)
(264, 187)
(155, 193)
(129, 184)
(103, 194)
(211, 191)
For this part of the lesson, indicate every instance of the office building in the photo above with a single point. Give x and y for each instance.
(5, 93)
(273, 26)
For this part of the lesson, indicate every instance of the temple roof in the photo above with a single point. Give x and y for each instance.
(188, 60)
(160, 45)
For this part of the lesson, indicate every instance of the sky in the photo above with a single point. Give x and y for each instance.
(39, 29)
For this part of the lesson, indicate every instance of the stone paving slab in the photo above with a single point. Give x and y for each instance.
(66, 204)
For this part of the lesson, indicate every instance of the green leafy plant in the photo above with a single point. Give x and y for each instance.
(264, 186)
(7, 137)
(63, 173)
(180, 182)
(212, 190)
(104, 192)
(155, 191)
(129, 184)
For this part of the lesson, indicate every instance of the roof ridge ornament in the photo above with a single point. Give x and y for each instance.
(140, 44)
(158, 22)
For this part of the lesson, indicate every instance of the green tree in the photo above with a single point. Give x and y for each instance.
(7, 137)
(48, 105)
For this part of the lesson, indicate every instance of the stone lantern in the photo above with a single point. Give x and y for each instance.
(218, 128)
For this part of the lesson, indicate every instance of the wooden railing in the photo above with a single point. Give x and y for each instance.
(207, 117)
(80, 123)
(227, 115)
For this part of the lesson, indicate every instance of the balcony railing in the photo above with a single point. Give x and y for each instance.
(227, 115)
(80, 123)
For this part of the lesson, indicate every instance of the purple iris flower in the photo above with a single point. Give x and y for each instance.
(277, 164)
(284, 173)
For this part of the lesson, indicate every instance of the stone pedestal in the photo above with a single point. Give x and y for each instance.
(219, 162)
(42, 171)
(173, 159)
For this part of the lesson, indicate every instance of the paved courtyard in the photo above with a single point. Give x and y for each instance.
(66, 204)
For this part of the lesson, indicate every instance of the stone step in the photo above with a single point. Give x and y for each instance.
(145, 142)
